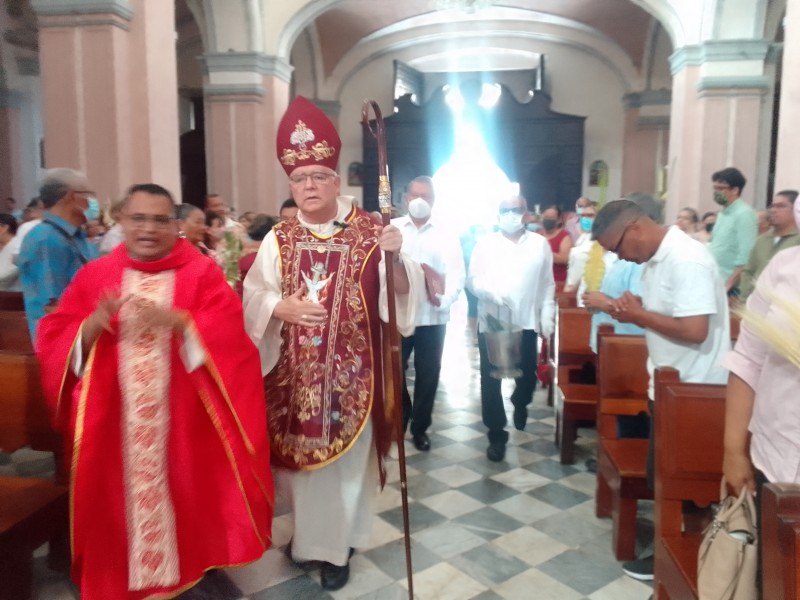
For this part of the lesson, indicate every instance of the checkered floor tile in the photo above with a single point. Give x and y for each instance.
(522, 528)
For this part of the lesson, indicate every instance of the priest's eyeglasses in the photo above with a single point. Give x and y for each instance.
(159, 221)
(318, 177)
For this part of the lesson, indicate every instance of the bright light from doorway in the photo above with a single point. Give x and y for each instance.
(470, 184)
(490, 94)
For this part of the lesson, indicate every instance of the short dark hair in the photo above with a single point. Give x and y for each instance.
(7, 219)
(211, 216)
(289, 203)
(732, 176)
(790, 195)
(711, 213)
(262, 224)
(555, 208)
(185, 209)
(615, 212)
(148, 188)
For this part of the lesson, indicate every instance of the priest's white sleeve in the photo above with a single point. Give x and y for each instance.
(262, 291)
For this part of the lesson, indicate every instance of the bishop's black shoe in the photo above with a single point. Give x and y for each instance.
(422, 442)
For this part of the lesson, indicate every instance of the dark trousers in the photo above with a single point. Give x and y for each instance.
(427, 343)
(492, 409)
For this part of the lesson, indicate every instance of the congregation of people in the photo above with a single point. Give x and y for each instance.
(199, 364)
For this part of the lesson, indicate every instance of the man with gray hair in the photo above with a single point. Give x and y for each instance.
(427, 241)
(57, 247)
(683, 307)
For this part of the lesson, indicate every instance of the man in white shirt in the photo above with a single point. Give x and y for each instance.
(683, 308)
(427, 242)
(511, 273)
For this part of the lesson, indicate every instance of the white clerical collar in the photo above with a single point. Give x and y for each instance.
(344, 205)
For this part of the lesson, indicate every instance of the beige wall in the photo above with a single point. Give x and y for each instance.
(110, 97)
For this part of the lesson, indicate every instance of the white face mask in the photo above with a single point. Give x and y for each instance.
(419, 208)
(509, 222)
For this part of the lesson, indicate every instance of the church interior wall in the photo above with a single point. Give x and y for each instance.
(570, 72)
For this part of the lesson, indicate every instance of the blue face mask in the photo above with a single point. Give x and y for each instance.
(586, 224)
(533, 227)
(92, 212)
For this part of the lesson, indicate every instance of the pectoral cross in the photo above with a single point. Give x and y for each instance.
(316, 284)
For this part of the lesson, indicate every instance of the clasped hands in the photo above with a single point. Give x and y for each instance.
(148, 314)
(625, 309)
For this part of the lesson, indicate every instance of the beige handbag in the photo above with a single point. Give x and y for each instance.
(728, 557)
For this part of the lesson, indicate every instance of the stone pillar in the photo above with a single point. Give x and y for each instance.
(787, 165)
(246, 94)
(717, 121)
(11, 175)
(110, 91)
(644, 152)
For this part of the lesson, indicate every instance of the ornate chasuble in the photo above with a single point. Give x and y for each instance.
(144, 358)
(328, 379)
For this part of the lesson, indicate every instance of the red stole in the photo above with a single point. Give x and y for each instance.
(328, 380)
(167, 479)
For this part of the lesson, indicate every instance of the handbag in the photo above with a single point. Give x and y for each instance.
(728, 558)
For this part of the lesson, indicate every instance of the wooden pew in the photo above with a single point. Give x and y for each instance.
(563, 300)
(14, 333)
(622, 381)
(576, 389)
(780, 540)
(11, 301)
(32, 511)
(689, 425)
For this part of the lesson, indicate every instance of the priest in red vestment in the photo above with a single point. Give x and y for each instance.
(149, 371)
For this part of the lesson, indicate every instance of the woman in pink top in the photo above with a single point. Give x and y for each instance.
(559, 240)
(761, 401)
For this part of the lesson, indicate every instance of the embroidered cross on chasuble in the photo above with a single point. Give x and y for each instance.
(328, 380)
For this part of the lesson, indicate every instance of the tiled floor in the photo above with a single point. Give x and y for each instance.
(523, 528)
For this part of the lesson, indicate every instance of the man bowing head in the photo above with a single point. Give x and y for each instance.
(148, 369)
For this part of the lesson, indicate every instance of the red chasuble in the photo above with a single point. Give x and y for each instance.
(328, 380)
(169, 469)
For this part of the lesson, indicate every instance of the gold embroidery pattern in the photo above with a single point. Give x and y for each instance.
(325, 375)
(319, 151)
(300, 138)
(144, 359)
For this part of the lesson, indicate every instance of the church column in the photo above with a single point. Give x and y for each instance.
(246, 94)
(787, 165)
(110, 91)
(719, 119)
(646, 140)
(11, 183)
